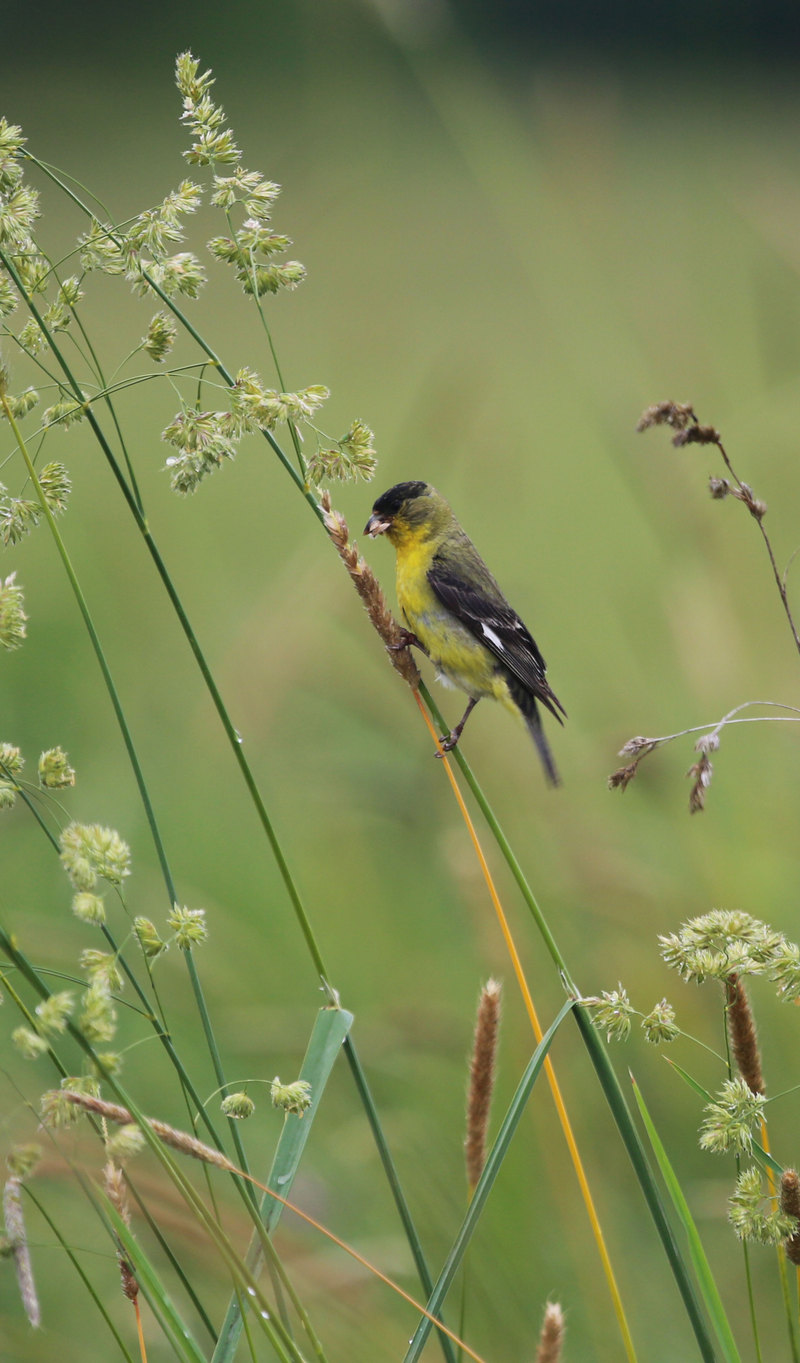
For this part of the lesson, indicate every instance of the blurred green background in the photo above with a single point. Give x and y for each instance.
(513, 246)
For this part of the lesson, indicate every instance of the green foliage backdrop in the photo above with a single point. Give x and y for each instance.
(505, 267)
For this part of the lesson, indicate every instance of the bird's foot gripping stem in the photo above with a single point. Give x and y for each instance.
(406, 638)
(448, 741)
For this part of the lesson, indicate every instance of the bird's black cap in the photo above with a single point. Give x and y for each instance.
(390, 502)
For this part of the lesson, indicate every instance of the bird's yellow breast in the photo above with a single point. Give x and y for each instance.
(459, 657)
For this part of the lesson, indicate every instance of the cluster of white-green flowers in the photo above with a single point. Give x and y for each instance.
(148, 252)
(11, 764)
(294, 1098)
(728, 942)
(89, 854)
(12, 614)
(613, 1013)
(55, 772)
(729, 1121)
(748, 1214)
(18, 515)
(238, 1106)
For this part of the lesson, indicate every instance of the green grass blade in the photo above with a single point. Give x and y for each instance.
(702, 1268)
(160, 1302)
(330, 1029)
(485, 1184)
(638, 1157)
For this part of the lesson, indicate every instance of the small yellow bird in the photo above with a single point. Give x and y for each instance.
(457, 614)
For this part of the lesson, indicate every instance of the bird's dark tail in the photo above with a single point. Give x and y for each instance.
(533, 721)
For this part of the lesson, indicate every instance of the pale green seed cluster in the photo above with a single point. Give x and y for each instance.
(160, 337)
(726, 942)
(352, 457)
(55, 772)
(659, 1026)
(188, 926)
(125, 1143)
(202, 442)
(54, 1011)
(239, 1106)
(612, 1014)
(292, 1098)
(729, 1122)
(90, 853)
(748, 1214)
(12, 615)
(18, 515)
(11, 764)
(56, 1109)
(150, 941)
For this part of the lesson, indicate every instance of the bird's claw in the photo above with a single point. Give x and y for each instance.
(405, 640)
(447, 742)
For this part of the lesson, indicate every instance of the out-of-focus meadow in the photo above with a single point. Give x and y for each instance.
(506, 263)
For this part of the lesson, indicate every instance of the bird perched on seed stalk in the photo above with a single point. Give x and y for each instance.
(457, 614)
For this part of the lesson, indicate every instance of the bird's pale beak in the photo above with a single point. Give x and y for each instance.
(377, 525)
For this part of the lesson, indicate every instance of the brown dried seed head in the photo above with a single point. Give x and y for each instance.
(697, 435)
(790, 1206)
(372, 597)
(622, 777)
(481, 1080)
(742, 1033)
(552, 1334)
(701, 773)
(679, 415)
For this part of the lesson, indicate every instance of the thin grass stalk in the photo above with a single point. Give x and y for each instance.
(233, 736)
(130, 1108)
(129, 746)
(555, 1089)
(159, 1136)
(741, 1045)
(485, 1183)
(184, 321)
(638, 1157)
(598, 1055)
(76, 1264)
(783, 1272)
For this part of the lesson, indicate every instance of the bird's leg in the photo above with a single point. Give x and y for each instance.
(406, 638)
(450, 740)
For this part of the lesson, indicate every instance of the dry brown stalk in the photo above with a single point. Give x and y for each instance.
(481, 1081)
(790, 1205)
(178, 1140)
(372, 597)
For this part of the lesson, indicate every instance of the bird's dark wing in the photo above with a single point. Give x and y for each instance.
(492, 621)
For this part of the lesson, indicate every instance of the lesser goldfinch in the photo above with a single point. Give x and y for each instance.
(457, 614)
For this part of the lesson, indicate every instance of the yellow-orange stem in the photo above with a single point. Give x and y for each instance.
(566, 1125)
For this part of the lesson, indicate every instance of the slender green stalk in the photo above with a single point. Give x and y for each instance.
(638, 1157)
(232, 735)
(590, 1036)
(393, 1180)
(87, 1282)
(702, 1268)
(216, 1061)
(66, 562)
(748, 1274)
(597, 1053)
(331, 1027)
(485, 1184)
